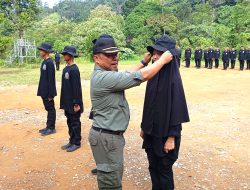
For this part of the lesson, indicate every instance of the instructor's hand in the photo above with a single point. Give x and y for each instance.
(76, 108)
(166, 57)
(169, 145)
(147, 57)
(50, 99)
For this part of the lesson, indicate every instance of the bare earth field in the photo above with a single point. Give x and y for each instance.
(214, 152)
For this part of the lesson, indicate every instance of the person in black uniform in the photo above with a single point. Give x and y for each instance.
(57, 60)
(71, 98)
(217, 57)
(242, 58)
(228, 50)
(210, 58)
(248, 58)
(225, 58)
(206, 57)
(188, 53)
(47, 88)
(165, 109)
(179, 54)
(198, 57)
(233, 55)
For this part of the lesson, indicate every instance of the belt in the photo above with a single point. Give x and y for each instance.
(108, 131)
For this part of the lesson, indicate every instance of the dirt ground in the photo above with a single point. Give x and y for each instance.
(214, 151)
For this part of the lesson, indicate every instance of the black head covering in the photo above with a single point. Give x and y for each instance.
(165, 103)
(164, 43)
(105, 44)
(71, 50)
(46, 47)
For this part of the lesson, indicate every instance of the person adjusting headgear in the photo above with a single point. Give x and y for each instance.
(110, 109)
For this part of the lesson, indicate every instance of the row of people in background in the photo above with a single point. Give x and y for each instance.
(211, 55)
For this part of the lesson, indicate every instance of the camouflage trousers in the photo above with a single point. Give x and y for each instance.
(107, 150)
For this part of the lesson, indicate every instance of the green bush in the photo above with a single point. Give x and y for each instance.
(126, 54)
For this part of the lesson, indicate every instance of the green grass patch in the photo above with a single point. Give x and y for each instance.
(28, 74)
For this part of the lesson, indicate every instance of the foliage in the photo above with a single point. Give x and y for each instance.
(74, 10)
(102, 20)
(52, 29)
(134, 24)
(126, 54)
(20, 13)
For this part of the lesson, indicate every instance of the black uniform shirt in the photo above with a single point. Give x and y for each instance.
(233, 55)
(57, 57)
(211, 54)
(206, 54)
(71, 90)
(225, 56)
(198, 54)
(47, 82)
(188, 54)
(216, 54)
(247, 54)
(242, 55)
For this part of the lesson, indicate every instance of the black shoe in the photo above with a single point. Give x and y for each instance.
(94, 171)
(66, 146)
(73, 147)
(42, 130)
(48, 132)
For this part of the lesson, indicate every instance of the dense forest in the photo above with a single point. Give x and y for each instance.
(133, 23)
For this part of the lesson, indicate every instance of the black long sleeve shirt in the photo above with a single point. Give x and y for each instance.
(47, 82)
(198, 54)
(71, 90)
(233, 55)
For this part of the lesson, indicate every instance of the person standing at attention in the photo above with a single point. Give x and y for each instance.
(71, 98)
(47, 88)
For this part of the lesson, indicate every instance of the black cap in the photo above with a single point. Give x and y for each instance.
(46, 47)
(164, 43)
(105, 44)
(71, 50)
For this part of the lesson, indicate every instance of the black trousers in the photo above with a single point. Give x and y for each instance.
(210, 62)
(232, 63)
(248, 64)
(217, 62)
(188, 63)
(161, 168)
(242, 62)
(224, 65)
(57, 66)
(51, 113)
(206, 63)
(74, 126)
(198, 63)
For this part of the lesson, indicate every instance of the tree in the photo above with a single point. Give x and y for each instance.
(20, 13)
(135, 23)
(105, 12)
(74, 10)
(52, 29)
(129, 6)
(102, 20)
(147, 22)
(203, 14)
(5, 39)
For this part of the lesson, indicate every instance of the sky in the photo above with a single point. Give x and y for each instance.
(51, 3)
